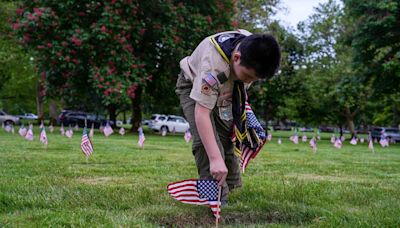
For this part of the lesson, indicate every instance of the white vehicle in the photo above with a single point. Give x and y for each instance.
(8, 119)
(28, 116)
(169, 123)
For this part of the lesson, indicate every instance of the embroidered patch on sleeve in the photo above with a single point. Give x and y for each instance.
(206, 89)
(210, 80)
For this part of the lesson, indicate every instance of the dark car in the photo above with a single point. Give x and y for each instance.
(386, 132)
(72, 118)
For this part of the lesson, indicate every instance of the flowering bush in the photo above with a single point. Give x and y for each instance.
(112, 47)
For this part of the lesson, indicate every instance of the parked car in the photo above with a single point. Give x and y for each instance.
(169, 123)
(146, 122)
(28, 116)
(8, 119)
(386, 132)
(281, 128)
(306, 129)
(68, 117)
(326, 129)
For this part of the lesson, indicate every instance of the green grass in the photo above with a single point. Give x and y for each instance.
(122, 185)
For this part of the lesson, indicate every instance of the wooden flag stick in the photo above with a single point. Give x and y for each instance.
(219, 202)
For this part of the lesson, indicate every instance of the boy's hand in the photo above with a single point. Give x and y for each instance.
(218, 168)
(218, 171)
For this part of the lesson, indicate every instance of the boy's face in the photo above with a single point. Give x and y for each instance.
(244, 74)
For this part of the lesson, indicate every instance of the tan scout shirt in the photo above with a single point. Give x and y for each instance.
(206, 60)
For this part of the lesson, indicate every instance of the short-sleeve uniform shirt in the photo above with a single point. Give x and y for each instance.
(205, 68)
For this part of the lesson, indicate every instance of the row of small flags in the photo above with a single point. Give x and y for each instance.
(107, 130)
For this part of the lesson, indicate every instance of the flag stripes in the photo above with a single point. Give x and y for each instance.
(198, 192)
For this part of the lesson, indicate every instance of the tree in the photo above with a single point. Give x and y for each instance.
(374, 35)
(17, 84)
(89, 52)
(340, 95)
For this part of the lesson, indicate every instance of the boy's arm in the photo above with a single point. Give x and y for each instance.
(217, 164)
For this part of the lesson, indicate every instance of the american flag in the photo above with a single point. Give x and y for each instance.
(43, 137)
(333, 139)
(22, 131)
(122, 131)
(313, 144)
(304, 139)
(91, 132)
(269, 137)
(108, 130)
(198, 192)
(8, 128)
(141, 137)
(51, 128)
(29, 134)
(86, 145)
(69, 133)
(187, 136)
(338, 143)
(371, 145)
(384, 142)
(62, 131)
(254, 140)
(101, 129)
(353, 141)
(294, 139)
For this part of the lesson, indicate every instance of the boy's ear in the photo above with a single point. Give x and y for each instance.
(236, 56)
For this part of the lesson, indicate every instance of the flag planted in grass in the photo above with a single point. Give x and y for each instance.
(69, 133)
(51, 128)
(141, 137)
(62, 131)
(122, 131)
(91, 132)
(86, 144)
(198, 192)
(108, 130)
(43, 137)
(29, 134)
(187, 136)
(22, 131)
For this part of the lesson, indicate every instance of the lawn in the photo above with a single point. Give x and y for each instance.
(122, 185)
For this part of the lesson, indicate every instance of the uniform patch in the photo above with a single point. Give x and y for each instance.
(222, 38)
(210, 80)
(206, 89)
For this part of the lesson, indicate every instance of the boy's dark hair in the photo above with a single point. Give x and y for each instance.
(262, 53)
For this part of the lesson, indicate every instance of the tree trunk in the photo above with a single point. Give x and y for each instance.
(350, 121)
(53, 112)
(112, 113)
(136, 110)
(40, 93)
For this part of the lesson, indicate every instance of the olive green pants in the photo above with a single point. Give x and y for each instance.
(222, 132)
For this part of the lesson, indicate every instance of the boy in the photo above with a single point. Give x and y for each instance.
(205, 86)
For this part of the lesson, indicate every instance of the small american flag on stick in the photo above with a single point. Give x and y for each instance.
(43, 137)
(198, 192)
(86, 144)
(141, 137)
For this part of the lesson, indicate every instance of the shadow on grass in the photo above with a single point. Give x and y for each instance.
(236, 218)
